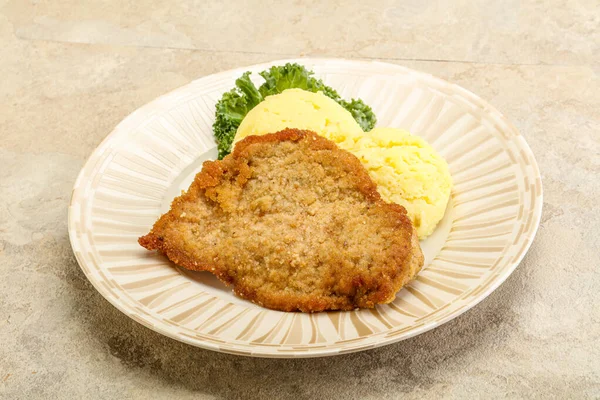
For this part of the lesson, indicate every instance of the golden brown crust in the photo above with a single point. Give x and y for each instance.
(292, 222)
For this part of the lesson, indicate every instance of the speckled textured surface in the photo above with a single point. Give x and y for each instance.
(72, 72)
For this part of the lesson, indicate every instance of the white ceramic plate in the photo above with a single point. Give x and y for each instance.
(131, 178)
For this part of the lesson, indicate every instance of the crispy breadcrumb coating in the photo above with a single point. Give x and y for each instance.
(291, 222)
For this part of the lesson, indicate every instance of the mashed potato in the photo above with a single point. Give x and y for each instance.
(297, 108)
(409, 172)
(406, 169)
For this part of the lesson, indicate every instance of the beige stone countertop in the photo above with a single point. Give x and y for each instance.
(72, 69)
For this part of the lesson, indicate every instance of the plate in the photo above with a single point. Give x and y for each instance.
(131, 178)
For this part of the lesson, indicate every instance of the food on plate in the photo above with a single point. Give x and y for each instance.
(235, 104)
(297, 108)
(409, 172)
(292, 222)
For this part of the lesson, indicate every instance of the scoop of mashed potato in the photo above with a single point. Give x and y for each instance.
(297, 108)
(406, 169)
(409, 172)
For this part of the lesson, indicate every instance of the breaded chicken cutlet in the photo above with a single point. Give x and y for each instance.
(291, 222)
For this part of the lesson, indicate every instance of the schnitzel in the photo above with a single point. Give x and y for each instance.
(292, 223)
